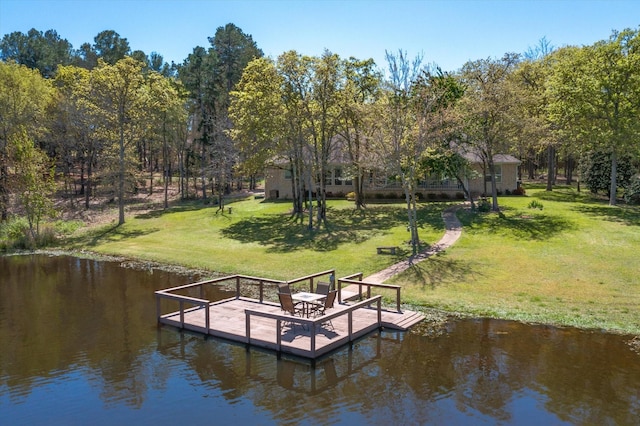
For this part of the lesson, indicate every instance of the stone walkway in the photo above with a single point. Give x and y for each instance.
(453, 230)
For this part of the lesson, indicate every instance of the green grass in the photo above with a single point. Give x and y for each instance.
(260, 238)
(573, 262)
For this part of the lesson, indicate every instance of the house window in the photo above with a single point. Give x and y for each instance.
(288, 174)
(498, 170)
(337, 177)
(327, 178)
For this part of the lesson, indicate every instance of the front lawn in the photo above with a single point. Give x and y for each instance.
(573, 262)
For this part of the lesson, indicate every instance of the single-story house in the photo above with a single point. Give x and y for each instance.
(278, 181)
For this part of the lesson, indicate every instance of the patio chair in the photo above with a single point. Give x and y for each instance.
(328, 304)
(287, 305)
(283, 288)
(323, 288)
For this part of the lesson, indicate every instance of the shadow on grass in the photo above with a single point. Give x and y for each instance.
(284, 233)
(629, 215)
(436, 271)
(564, 195)
(516, 224)
(107, 233)
(187, 206)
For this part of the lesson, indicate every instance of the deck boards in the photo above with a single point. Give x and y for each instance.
(228, 320)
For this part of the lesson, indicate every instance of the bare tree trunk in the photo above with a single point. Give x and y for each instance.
(551, 155)
(121, 173)
(614, 178)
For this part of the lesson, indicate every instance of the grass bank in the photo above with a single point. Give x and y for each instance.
(260, 238)
(572, 262)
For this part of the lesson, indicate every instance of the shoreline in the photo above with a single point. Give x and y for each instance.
(436, 318)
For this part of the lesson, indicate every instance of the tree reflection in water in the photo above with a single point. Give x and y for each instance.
(79, 342)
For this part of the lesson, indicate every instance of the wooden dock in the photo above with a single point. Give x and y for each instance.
(257, 321)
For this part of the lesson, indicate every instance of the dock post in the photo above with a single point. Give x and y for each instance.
(158, 307)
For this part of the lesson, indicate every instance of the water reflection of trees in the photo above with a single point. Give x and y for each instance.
(64, 314)
(103, 325)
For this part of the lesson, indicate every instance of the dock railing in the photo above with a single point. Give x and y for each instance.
(313, 324)
(331, 273)
(349, 280)
(187, 303)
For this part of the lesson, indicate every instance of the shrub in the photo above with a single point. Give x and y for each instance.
(507, 192)
(46, 237)
(459, 196)
(518, 191)
(632, 191)
(351, 196)
(431, 196)
(596, 171)
(65, 227)
(15, 234)
(484, 205)
(535, 204)
(444, 196)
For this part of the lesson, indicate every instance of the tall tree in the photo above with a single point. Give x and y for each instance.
(488, 111)
(322, 114)
(110, 47)
(359, 92)
(196, 73)
(35, 181)
(74, 127)
(233, 49)
(596, 90)
(258, 116)
(37, 50)
(531, 80)
(24, 97)
(398, 142)
(119, 93)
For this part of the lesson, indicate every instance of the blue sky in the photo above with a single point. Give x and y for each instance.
(447, 33)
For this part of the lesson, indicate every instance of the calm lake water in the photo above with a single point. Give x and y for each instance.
(79, 344)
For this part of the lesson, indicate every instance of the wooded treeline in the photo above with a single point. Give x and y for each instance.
(106, 119)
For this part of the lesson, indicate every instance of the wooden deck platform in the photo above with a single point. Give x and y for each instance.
(262, 323)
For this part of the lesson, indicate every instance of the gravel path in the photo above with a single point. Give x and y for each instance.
(453, 230)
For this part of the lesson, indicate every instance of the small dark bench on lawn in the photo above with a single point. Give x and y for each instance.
(387, 249)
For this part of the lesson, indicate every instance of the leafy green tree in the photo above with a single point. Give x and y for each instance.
(537, 132)
(110, 47)
(86, 57)
(37, 50)
(595, 93)
(210, 76)
(488, 111)
(35, 181)
(79, 145)
(118, 91)
(596, 171)
(233, 49)
(356, 99)
(295, 72)
(197, 76)
(448, 163)
(24, 98)
(257, 112)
